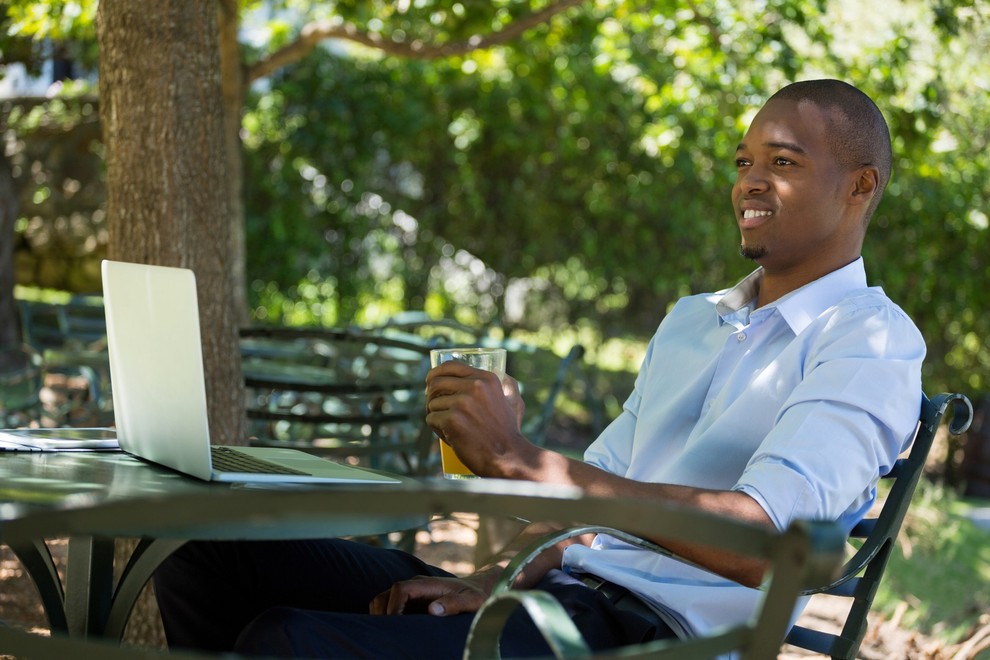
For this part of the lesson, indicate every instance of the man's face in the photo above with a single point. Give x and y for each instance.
(790, 191)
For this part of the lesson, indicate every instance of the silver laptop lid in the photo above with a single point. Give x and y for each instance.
(156, 365)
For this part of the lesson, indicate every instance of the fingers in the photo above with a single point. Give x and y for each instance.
(456, 394)
(391, 601)
(510, 386)
(466, 600)
(444, 596)
(401, 594)
(451, 378)
(379, 604)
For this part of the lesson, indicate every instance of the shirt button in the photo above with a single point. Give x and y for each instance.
(741, 337)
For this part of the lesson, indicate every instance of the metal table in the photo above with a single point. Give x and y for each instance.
(95, 497)
(92, 498)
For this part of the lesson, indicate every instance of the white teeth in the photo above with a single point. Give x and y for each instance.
(756, 214)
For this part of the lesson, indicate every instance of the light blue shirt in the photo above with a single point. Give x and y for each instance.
(802, 404)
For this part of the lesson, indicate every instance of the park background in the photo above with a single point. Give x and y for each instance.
(557, 172)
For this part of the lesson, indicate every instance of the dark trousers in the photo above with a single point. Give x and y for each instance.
(310, 599)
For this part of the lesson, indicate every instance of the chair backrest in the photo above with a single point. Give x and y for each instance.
(21, 380)
(544, 377)
(860, 576)
(78, 322)
(419, 325)
(342, 393)
(544, 380)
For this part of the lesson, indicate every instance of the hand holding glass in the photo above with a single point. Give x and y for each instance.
(488, 359)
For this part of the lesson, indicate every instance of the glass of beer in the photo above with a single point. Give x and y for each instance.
(489, 359)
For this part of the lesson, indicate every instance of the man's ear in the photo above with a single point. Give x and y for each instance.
(865, 185)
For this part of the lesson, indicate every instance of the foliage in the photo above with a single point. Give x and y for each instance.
(579, 132)
(938, 568)
(32, 30)
(56, 163)
(574, 182)
(581, 173)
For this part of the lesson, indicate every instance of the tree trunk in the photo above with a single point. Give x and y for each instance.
(232, 80)
(167, 204)
(10, 327)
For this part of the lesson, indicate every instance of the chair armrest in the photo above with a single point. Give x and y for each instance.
(553, 622)
(565, 640)
(806, 553)
(547, 541)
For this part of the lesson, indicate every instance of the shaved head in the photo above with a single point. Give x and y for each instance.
(856, 131)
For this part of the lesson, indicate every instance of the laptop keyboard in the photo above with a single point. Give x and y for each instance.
(226, 459)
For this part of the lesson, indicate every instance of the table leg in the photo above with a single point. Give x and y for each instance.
(37, 560)
(89, 585)
(145, 559)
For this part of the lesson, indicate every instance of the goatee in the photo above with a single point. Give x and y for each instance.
(753, 253)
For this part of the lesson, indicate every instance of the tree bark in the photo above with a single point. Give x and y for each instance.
(232, 81)
(167, 193)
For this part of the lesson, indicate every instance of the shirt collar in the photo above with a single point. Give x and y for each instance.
(799, 307)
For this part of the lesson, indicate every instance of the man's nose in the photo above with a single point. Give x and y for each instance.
(753, 180)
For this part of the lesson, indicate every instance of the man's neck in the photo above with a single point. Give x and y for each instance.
(776, 285)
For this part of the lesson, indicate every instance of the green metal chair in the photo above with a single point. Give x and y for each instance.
(803, 554)
(71, 337)
(340, 393)
(420, 326)
(858, 579)
(21, 380)
(861, 575)
(545, 378)
(77, 322)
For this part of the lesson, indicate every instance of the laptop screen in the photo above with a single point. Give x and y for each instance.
(156, 365)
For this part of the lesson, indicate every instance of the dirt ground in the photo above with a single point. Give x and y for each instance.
(451, 544)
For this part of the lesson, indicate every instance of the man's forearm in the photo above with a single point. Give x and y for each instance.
(550, 467)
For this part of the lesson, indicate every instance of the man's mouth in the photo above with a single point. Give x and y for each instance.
(753, 218)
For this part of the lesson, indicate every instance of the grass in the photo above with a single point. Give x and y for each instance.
(940, 568)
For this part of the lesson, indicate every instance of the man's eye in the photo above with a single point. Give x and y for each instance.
(741, 162)
(781, 161)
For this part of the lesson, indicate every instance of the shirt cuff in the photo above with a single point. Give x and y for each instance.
(788, 495)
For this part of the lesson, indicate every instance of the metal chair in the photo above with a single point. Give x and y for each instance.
(342, 393)
(544, 377)
(71, 336)
(544, 380)
(419, 326)
(21, 380)
(861, 575)
(858, 578)
(78, 322)
(803, 554)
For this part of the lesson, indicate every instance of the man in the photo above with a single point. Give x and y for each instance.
(784, 397)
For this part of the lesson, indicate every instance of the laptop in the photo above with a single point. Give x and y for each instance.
(159, 389)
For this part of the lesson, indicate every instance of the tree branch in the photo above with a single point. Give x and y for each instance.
(313, 33)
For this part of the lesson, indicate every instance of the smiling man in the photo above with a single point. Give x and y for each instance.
(791, 176)
(782, 398)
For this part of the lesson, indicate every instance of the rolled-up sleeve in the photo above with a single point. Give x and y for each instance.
(845, 422)
(612, 450)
